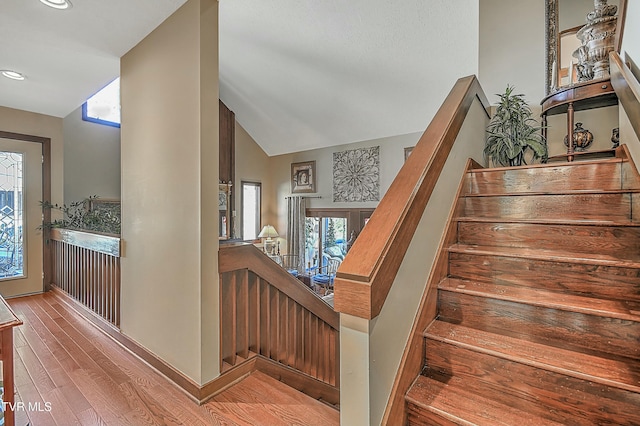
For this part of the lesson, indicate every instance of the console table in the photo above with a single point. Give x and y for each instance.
(581, 96)
(8, 320)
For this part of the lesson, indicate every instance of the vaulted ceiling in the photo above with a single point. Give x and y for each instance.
(299, 74)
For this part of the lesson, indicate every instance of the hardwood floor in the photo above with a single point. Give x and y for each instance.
(72, 374)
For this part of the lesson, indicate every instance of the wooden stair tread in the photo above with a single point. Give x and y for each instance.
(558, 221)
(620, 373)
(462, 407)
(552, 192)
(619, 309)
(542, 166)
(582, 156)
(549, 255)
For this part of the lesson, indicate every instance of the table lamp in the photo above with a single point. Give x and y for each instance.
(268, 232)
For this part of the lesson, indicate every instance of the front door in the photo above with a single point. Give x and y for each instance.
(21, 245)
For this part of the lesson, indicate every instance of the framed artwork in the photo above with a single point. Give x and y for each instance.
(303, 177)
(407, 151)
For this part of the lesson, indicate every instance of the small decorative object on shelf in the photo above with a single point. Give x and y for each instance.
(582, 138)
(615, 137)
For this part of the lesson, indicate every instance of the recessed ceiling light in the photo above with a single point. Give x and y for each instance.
(57, 4)
(12, 74)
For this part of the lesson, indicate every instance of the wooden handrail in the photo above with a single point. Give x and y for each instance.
(247, 256)
(627, 88)
(101, 243)
(367, 272)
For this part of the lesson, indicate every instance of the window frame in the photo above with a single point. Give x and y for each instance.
(259, 208)
(86, 117)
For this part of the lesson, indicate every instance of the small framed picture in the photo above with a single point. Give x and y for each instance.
(407, 151)
(303, 177)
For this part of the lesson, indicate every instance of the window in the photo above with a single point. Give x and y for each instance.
(329, 233)
(104, 106)
(325, 237)
(251, 196)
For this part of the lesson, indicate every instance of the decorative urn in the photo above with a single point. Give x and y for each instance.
(615, 137)
(582, 138)
(597, 37)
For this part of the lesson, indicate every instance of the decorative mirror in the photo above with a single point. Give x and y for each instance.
(567, 32)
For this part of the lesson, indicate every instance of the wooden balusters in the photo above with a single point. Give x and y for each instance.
(276, 317)
(87, 267)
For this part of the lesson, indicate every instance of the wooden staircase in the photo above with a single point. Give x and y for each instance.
(539, 318)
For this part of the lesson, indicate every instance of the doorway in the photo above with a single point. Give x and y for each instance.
(21, 242)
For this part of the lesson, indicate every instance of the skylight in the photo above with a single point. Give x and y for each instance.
(104, 106)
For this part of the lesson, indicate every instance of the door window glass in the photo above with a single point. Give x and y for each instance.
(11, 220)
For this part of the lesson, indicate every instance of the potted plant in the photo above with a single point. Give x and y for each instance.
(78, 215)
(512, 131)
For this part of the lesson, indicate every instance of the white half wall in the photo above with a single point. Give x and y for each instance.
(170, 191)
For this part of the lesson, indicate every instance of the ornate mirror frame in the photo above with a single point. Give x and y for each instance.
(551, 37)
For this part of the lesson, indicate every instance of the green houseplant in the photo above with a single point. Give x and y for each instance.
(512, 132)
(78, 215)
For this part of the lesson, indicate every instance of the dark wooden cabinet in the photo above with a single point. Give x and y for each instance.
(227, 170)
(582, 96)
(227, 144)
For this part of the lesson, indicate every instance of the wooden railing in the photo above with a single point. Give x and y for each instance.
(86, 266)
(627, 88)
(266, 311)
(367, 273)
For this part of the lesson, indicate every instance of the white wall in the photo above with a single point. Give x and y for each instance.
(92, 159)
(170, 191)
(252, 164)
(29, 123)
(511, 48)
(391, 159)
(631, 37)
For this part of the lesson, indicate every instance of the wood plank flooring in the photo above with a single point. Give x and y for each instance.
(73, 374)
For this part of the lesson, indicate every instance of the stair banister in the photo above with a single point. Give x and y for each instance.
(627, 89)
(384, 276)
(367, 273)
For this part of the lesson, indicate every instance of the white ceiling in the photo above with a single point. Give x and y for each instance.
(68, 55)
(299, 74)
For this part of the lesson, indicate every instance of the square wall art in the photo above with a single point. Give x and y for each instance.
(356, 175)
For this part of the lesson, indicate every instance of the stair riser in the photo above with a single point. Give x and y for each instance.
(550, 326)
(420, 417)
(609, 176)
(593, 280)
(577, 207)
(617, 241)
(539, 392)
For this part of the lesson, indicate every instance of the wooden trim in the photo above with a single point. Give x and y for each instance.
(298, 380)
(100, 243)
(622, 17)
(227, 379)
(413, 357)
(191, 388)
(367, 272)
(200, 394)
(627, 88)
(46, 194)
(247, 256)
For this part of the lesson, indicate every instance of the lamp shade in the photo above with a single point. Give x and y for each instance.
(268, 232)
